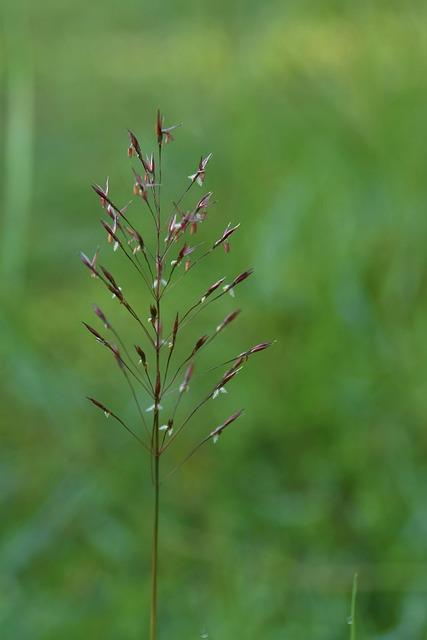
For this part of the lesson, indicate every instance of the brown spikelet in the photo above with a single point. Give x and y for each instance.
(217, 432)
(212, 288)
(242, 277)
(109, 277)
(199, 344)
(141, 354)
(101, 316)
(187, 377)
(95, 333)
(227, 233)
(100, 406)
(110, 232)
(175, 329)
(135, 144)
(227, 320)
(90, 264)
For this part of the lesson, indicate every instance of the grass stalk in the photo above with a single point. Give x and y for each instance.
(155, 543)
(175, 232)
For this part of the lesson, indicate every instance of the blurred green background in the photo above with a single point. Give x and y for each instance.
(316, 115)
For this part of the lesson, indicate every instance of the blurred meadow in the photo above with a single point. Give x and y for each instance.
(316, 116)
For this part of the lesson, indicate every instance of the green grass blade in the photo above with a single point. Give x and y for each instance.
(352, 618)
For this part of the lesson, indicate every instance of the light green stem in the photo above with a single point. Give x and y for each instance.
(353, 609)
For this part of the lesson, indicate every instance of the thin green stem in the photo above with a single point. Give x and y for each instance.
(352, 620)
(154, 571)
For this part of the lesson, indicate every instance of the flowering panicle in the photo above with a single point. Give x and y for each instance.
(154, 375)
(123, 235)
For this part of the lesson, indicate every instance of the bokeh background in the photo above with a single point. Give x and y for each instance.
(316, 115)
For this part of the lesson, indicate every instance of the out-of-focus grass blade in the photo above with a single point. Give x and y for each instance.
(18, 145)
(352, 618)
(41, 531)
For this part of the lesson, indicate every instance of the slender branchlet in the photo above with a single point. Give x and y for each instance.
(155, 375)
